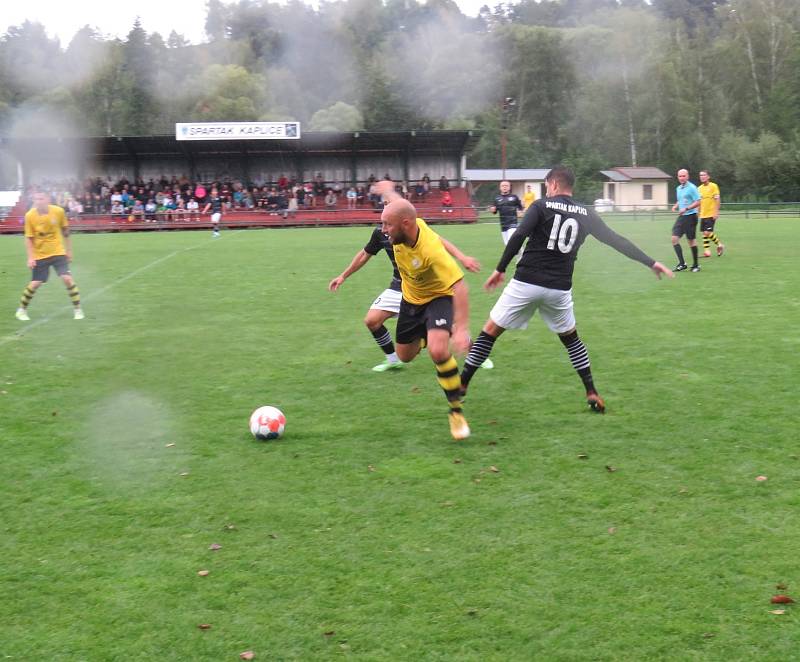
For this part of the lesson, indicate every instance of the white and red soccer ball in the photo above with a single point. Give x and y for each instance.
(267, 423)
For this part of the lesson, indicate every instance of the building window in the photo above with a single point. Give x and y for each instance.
(611, 192)
(647, 191)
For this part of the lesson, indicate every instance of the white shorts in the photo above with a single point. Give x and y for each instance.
(388, 300)
(215, 217)
(519, 301)
(506, 234)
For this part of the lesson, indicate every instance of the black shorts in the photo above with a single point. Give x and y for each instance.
(42, 269)
(685, 225)
(414, 321)
(707, 224)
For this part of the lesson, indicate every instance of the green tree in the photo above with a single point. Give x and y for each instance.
(339, 117)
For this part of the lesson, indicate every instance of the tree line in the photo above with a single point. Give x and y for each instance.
(594, 84)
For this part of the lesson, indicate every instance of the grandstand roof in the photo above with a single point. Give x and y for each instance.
(391, 142)
(511, 174)
(626, 174)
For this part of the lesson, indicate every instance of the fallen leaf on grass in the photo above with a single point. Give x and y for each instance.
(583, 456)
(761, 479)
(610, 469)
(781, 600)
(472, 612)
(781, 586)
(184, 473)
(777, 612)
(204, 626)
(612, 530)
(247, 655)
(370, 467)
(494, 469)
(229, 527)
(492, 422)
(329, 633)
(415, 389)
(457, 460)
(214, 546)
(203, 573)
(708, 635)
(55, 413)
(492, 443)
(448, 504)
(272, 535)
(170, 445)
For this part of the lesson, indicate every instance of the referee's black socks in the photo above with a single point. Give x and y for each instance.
(478, 353)
(579, 358)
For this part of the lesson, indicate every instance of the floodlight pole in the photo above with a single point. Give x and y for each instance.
(507, 105)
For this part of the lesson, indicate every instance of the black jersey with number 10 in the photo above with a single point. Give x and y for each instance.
(555, 228)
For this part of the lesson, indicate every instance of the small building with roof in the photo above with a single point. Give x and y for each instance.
(636, 188)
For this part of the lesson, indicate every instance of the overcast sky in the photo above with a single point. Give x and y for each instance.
(187, 17)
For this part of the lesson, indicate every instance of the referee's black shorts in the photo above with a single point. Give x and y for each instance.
(414, 321)
(686, 224)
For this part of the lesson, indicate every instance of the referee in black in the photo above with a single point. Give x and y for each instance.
(507, 204)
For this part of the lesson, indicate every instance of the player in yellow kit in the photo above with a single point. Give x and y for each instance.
(709, 213)
(434, 306)
(48, 245)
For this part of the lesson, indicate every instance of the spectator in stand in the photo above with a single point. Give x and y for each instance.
(352, 196)
(330, 199)
(426, 183)
(444, 185)
(300, 196)
(447, 202)
(283, 182)
(273, 202)
(138, 210)
(361, 196)
(193, 209)
(337, 187)
(319, 187)
(150, 211)
(238, 198)
(116, 197)
(419, 191)
(117, 209)
(180, 210)
(310, 202)
(291, 204)
(371, 180)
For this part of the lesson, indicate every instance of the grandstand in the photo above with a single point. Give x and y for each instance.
(351, 158)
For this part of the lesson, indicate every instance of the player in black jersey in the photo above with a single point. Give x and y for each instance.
(388, 302)
(507, 204)
(214, 205)
(555, 227)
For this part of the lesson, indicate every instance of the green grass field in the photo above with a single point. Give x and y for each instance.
(366, 532)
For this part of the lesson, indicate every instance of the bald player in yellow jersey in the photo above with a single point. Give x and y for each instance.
(434, 307)
(48, 244)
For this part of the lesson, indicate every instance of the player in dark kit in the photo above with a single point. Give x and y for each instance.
(214, 205)
(555, 227)
(507, 204)
(388, 302)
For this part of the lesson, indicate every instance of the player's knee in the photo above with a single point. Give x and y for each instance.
(407, 352)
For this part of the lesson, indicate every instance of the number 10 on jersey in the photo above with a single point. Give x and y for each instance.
(563, 234)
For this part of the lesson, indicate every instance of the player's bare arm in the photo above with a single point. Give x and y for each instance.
(29, 249)
(469, 263)
(358, 261)
(660, 270)
(460, 337)
(494, 281)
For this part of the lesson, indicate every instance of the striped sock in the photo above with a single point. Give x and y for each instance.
(384, 339)
(706, 244)
(447, 376)
(579, 358)
(713, 237)
(478, 353)
(27, 295)
(74, 295)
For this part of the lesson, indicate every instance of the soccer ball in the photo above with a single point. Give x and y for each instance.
(267, 423)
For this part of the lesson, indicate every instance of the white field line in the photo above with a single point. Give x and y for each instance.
(29, 326)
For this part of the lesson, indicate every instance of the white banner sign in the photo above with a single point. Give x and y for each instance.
(236, 130)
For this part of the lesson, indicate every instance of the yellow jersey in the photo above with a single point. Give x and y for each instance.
(46, 230)
(427, 270)
(709, 194)
(528, 199)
